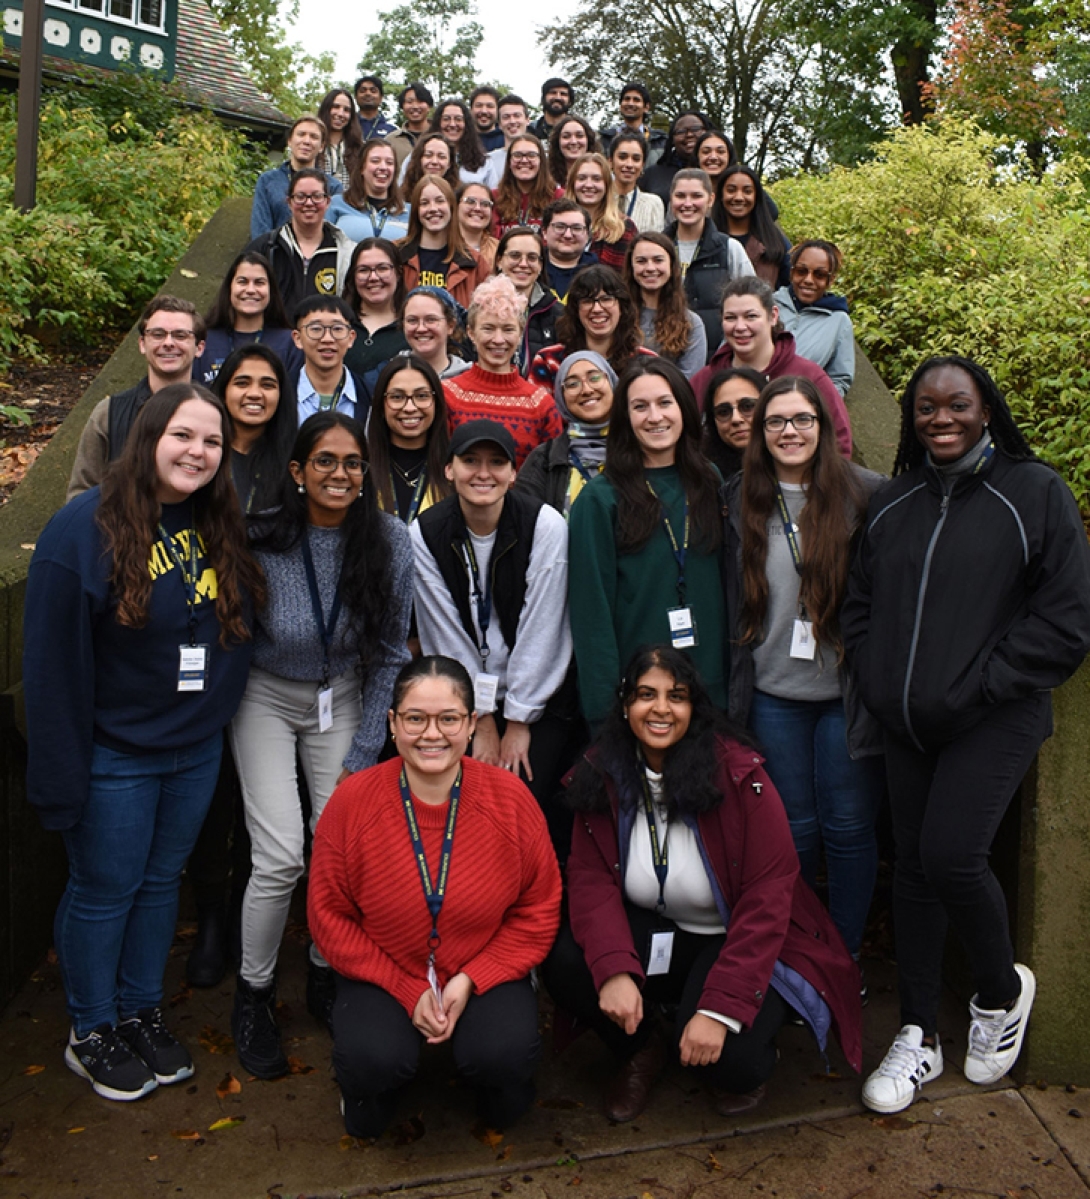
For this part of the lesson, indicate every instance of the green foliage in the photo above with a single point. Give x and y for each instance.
(947, 252)
(432, 41)
(113, 215)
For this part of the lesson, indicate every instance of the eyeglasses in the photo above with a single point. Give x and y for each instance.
(687, 130)
(398, 399)
(524, 156)
(599, 301)
(569, 230)
(801, 421)
(725, 410)
(423, 322)
(158, 335)
(819, 274)
(471, 202)
(326, 464)
(515, 256)
(316, 330)
(417, 723)
(380, 272)
(572, 386)
(303, 199)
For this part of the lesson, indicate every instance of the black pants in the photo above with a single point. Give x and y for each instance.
(946, 806)
(748, 1057)
(376, 1050)
(221, 856)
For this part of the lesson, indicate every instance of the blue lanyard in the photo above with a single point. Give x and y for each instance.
(325, 629)
(482, 596)
(434, 893)
(789, 529)
(418, 496)
(659, 851)
(580, 466)
(188, 576)
(372, 212)
(679, 550)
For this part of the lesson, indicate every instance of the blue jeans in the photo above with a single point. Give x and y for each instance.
(828, 797)
(115, 922)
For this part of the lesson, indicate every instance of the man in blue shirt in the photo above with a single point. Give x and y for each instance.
(323, 331)
(369, 94)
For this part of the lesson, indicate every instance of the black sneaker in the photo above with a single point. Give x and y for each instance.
(253, 1025)
(107, 1062)
(321, 994)
(149, 1038)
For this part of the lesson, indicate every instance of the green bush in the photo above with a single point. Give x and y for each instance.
(947, 252)
(117, 206)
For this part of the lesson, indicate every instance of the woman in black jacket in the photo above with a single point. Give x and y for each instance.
(968, 602)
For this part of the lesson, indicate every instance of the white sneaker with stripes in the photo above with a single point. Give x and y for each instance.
(904, 1070)
(995, 1038)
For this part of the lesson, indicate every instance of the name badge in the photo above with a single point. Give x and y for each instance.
(325, 709)
(485, 687)
(803, 644)
(682, 627)
(192, 667)
(662, 950)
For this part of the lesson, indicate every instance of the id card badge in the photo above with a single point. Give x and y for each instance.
(325, 709)
(192, 667)
(803, 644)
(485, 687)
(682, 627)
(433, 982)
(662, 950)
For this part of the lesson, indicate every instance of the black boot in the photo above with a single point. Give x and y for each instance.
(207, 961)
(253, 1025)
(321, 994)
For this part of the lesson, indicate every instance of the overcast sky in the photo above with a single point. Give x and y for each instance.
(508, 53)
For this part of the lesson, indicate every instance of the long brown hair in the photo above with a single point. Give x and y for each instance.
(509, 195)
(356, 195)
(129, 512)
(672, 314)
(833, 512)
(639, 515)
(414, 172)
(558, 164)
(456, 246)
(352, 135)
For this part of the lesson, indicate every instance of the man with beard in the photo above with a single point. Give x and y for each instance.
(484, 105)
(557, 97)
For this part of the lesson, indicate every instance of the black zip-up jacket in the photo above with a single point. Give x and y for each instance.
(965, 594)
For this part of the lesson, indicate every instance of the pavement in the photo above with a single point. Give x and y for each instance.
(225, 1134)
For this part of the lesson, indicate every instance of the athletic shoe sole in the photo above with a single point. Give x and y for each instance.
(71, 1060)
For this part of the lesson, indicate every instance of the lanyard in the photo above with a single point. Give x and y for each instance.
(188, 576)
(631, 202)
(372, 212)
(334, 399)
(659, 852)
(580, 466)
(418, 495)
(789, 529)
(434, 894)
(482, 596)
(325, 629)
(985, 458)
(679, 551)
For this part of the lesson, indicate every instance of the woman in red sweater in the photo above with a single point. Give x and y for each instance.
(433, 893)
(492, 388)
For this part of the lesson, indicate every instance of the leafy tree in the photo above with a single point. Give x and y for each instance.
(433, 41)
(292, 78)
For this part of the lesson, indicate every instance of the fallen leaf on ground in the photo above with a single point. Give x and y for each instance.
(574, 1182)
(229, 1085)
(408, 1131)
(502, 1157)
(78, 1128)
(226, 1122)
(153, 1157)
(296, 1065)
(488, 1136)
(185, 1134)
(713, 1162)
(896, 1123)
(33, 1070)
(186, 273)
(215, 1041)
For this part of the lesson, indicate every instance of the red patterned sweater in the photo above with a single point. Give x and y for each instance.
(523, 406)
(365, 903)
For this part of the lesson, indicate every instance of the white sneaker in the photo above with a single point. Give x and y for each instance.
(905, 1068)
(995, 1038)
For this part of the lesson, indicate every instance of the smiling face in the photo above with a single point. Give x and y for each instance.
(414, 110)
(482, 476)
(170, 346)
(378, 169)
(733, 408)
(713, 155)
(409, 409)
(589, 185)
(656, 420)
(250, 290)
(189, 452)
(521, 262)
(599, 315)
(426, 326)
(627, 162)
(340, 112)
(588, 393)
(376, 280)
(686, 131)
(452, 124)
(633, 107)
(324, 338)
(435, 157)
(475, 210)
(308, 201)
(432, 728)
(566, 238)
(556, 101)
(496, 337)
(368, 97)
(253, 394)
(650, 265)
(747, 329)
(433, 210)
(305, 142)
(659, 713)
(484, 112)
(811, 275)
(792, 448)
(949, 414)
(739, 195)
(513, 120)
(525, 160)
(332, 492)
(690, 200)
(573, 140)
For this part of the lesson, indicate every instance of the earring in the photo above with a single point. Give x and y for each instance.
(302, 489)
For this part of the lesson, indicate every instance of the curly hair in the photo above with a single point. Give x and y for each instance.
(833, 513)
(222, 313)
(690, 767)
(509, 195)
(414, 172)
(559, 167)
(498, 295)
(366, 585)
(671, 326)
(639, 515)
(590, 282)
(356, 195)
(129, 512)
(350, 293)
(1005, 433)
(468, 151)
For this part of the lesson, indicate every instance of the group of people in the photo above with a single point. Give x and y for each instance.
(546, 560)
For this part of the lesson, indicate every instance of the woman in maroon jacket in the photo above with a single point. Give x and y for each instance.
(684, 889)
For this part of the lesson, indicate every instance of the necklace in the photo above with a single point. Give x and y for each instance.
(412, 474)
